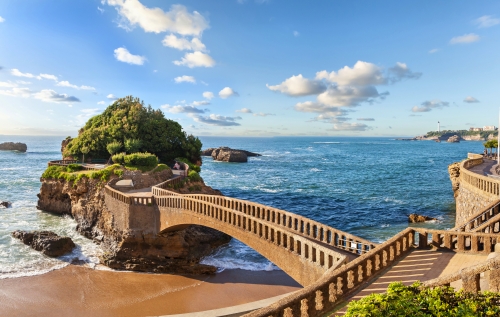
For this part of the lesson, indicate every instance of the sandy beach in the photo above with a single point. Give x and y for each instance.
(78, 291)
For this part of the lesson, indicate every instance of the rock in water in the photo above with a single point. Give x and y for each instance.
(454, 139)
(46, 242)
(11, 146)
(4, 204)
(413, 218)
(214, 152)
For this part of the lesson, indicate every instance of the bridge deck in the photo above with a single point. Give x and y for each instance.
(418, 265)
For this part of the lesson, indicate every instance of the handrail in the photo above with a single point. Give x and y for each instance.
(486, 185)
(470, 277)
(480, 218)
(473, 242)
(62, 162)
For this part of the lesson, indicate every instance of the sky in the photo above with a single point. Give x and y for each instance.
(252, 67)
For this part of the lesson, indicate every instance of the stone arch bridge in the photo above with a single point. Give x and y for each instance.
(301, 247)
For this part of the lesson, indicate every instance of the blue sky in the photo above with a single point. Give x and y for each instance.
(254, 67)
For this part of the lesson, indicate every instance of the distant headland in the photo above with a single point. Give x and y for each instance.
(473, 134)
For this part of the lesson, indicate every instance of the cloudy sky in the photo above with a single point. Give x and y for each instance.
(252, 67)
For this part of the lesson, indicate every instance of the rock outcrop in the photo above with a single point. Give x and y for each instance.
(454, 171)
(46, 242)
(225, 154)
(414, 218)
(453, 139)
(11, 146)
(172, 252)
(5, 204)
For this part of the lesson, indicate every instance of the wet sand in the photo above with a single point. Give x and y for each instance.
(78, 291)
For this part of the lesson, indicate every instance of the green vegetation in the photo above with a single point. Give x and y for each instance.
(193, 176)
(462, 133)
(139, 128)
(416, 301)
(137, 161)
(114, 147)
(491, 144)
(161, 168)
(71, 173)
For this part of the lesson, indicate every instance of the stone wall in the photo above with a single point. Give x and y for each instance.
(469, 202)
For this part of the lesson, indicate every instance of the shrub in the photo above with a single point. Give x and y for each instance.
(53, 172)
(141, 159)
(132, 145)
(193, 176)
(114, 147)
(118, 158)
(160, 168)
(192, 167)
(73, 168)
(416, 301)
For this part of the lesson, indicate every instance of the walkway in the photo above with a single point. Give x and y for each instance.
(487, 168)
(418, 265)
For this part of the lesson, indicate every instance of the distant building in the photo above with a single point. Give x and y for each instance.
(489, 128)
(475, 129)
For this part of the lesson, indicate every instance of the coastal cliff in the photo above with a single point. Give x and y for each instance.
(126, 249)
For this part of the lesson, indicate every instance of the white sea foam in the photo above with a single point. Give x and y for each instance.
(326, 142)
(314, 169)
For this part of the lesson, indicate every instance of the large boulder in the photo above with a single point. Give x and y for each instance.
(454, 139)
(11, 146)
(46, 242)
(225, 154)
(207, 152)
(4, 204)
(414, 218)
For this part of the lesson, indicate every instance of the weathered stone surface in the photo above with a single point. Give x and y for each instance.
(454, 171)
(228, 155)
(4, 204)
(64, 144)
(46, 242)
(210, 152)
(207, 152)
(414, 218)
(453, 139)
(126, 249)
(11, 146)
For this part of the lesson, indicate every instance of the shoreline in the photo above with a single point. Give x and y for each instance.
(79, 291)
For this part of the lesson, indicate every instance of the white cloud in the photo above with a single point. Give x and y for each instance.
(17, 92)
(262, 114)
(209, 95)
(101, 103)
(470, 99)
(188, 79)
(296, 34)
(17, 73)
(100, 9)
(49, 95)
(111, 97)
(346, 126)
(2, 20)
(182, 109)
(22, 82)
(176, 20)
(427, 106)
(183, 44)
(465, 39)
(227, 92)
(362, 73)
(365, 119)
(399, 72)
(123, 55)
(244, 110)
(7, 84)
(217, 120)
(201, 103)
(47, 76)
(67, 84)
(195, 59)
(349, 96)
(327, 113)
(299, 86)
(434, 50)
(486, 21)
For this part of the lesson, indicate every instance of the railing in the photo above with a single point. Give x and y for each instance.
(470, 277)
(321, 297)
(117, 195)
(297, 224)
(62, 162)
(490, 226)
(487, 185)
(304, 248)
(476, 221)
(146, 201)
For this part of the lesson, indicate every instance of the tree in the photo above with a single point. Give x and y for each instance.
(84, 150)
(114, 147)
(132, 145)
(128, 119)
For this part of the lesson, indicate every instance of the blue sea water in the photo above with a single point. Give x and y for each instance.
(365, 186)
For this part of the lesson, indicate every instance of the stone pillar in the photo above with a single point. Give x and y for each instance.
(470, 283)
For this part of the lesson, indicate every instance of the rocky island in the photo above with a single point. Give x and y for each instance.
(11, 146)
(67, 189)
(226, 154)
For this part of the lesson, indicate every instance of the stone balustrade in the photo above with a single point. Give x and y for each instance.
(482, 220)
(470, 277)
(124, 198)
(291, 222)
(483, 185)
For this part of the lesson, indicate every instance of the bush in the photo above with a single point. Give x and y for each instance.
(192, 167)
(416, 301)
(193, 176)
(141, 159)
(114, 147)
(73, 168)
(161, 168)
(119, 158)
(132, 145)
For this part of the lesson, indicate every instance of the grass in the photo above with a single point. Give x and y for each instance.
(75, 174)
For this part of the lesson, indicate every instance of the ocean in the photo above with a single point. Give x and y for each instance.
(365, 186)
